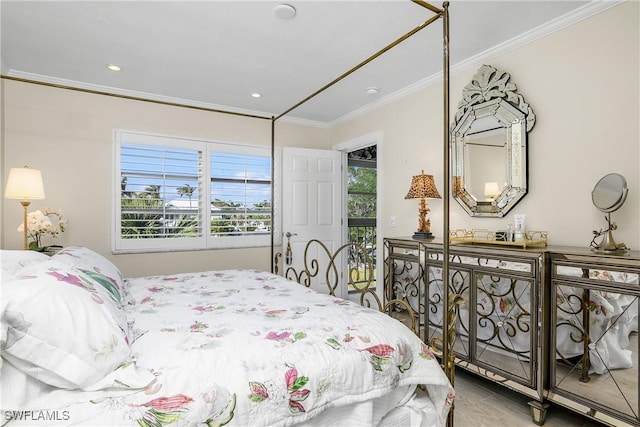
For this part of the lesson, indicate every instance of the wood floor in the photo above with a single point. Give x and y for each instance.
(481, 403)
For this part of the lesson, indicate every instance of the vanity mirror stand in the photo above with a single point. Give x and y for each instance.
(608, 195)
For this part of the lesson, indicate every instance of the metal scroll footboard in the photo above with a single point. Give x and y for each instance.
(359, 279)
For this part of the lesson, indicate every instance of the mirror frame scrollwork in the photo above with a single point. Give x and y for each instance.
(490, 96)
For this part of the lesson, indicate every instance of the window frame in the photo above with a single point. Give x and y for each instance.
(206, 241)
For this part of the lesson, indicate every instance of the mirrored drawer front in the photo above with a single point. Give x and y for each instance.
(487, 261)
(608, 274)
(409, 254)
(402, 250)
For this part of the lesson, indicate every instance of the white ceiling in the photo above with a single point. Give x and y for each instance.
(216, 53)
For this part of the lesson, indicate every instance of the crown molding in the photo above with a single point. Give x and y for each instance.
(584, 12)
(523, 39)
(557, 24)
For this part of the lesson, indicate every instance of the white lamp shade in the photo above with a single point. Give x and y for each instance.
(491, 189)
(24, 183)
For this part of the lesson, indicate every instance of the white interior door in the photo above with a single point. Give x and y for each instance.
(312, 207)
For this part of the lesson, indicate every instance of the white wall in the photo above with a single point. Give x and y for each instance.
(583, 84)
(68, 136)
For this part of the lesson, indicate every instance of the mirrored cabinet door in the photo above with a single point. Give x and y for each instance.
(504, 318)
(498, 330)
(459, 283)
(404, 280)
(594, 336)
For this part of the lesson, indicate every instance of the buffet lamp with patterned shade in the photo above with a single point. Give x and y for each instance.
(24, 184)
(423, 187)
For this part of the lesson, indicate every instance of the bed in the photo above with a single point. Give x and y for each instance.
(81, 345)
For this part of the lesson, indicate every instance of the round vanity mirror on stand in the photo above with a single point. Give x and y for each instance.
(608, 195)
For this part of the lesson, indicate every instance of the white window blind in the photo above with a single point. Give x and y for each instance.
(240, 194)
(183, 194)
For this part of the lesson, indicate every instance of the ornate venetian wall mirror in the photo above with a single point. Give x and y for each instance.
(489, 145)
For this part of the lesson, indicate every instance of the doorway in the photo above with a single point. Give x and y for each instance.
(312, 214)
(362, 208)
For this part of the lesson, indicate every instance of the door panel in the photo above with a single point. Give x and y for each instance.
(312, 205)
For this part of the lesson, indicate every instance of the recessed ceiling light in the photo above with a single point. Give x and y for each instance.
(284, 11)
(113, 67)
(372, 90)
(256, 95)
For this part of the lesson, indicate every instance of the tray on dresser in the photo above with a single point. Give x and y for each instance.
(488, 237)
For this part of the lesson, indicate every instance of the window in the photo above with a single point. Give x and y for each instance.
(183, 194)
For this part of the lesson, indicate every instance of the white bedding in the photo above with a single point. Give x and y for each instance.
(234, 347)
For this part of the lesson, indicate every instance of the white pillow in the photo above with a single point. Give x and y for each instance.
(95, 265)
(11, 261)
(62, 326)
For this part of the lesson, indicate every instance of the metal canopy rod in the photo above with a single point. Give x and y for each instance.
(450, 299)
(133, 98)
(372, 57)
(426, 5)
(438, 14)
(273, 185)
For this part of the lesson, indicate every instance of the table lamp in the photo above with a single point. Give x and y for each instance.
(25, 184)
(423, 187)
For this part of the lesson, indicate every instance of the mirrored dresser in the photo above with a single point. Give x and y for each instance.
(594, 338)
(556, 324)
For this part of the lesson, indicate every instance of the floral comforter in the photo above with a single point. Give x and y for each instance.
(245, 347)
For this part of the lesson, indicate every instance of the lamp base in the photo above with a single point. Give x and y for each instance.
(418, 235)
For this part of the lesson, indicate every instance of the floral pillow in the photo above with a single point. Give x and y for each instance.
(95, 265)
(62, 326)
(12, 261)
